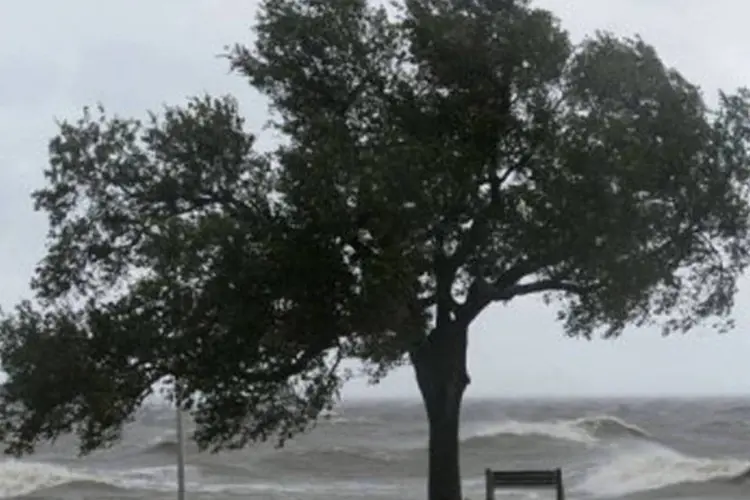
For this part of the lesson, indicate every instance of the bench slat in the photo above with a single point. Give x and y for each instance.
(545, 478)
(541, 479)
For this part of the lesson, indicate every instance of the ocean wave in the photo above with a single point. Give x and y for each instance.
(166, 444)
(333, 417)
(85, 485)
(165, 447)
(586, 430)
(20, 479)
(651, 467)
(339, 420)
(340, 458)
(609, 427)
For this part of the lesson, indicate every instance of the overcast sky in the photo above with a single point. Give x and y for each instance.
(136, 55)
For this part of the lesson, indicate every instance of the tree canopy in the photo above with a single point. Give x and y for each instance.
(437, 158)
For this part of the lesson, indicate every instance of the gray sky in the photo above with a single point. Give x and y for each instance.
(136, 55)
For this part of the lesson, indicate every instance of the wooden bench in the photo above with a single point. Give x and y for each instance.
(524, 479)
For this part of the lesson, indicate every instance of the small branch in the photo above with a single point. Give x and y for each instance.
(472, 239)
(445, 273)
(547, 285)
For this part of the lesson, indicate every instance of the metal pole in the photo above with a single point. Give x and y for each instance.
(180, 456)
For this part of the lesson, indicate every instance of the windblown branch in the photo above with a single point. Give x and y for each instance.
(473, 238)
(483, 293)
(546, 285)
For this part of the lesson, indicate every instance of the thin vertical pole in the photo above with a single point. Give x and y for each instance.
(180, 456)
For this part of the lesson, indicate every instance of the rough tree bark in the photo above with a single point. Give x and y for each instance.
(440, 367)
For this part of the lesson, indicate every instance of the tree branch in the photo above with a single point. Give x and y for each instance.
(483, 293)
(472, 238)
(546, 285)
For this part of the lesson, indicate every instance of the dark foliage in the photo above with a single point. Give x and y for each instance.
(438, 159)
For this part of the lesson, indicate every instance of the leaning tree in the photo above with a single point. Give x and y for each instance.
(437, 158)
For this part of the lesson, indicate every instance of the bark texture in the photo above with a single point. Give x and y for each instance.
(440, 366)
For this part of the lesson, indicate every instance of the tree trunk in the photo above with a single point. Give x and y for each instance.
(440, 367)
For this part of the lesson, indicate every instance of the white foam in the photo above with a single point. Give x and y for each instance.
(351, 420)
(555, 429)
(353, 488)
(649, 467)
(584, 430)
(164, 479)
(595, 423)
(161, 478)
(20, 478)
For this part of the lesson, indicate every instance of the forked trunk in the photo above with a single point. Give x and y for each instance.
(440, 366)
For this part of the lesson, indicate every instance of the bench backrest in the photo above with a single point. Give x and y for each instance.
(515, 479)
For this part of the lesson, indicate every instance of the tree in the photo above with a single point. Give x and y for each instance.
(437, 159)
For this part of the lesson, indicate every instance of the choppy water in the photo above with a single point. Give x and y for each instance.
(635, 449)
